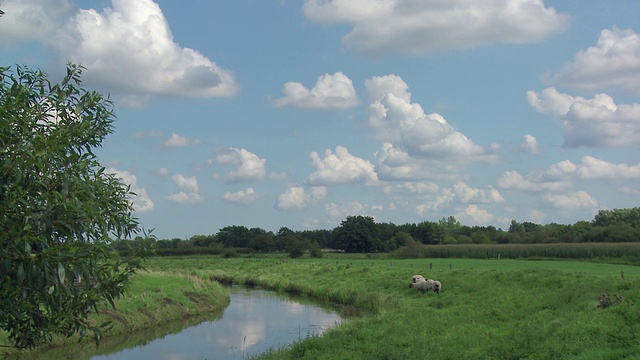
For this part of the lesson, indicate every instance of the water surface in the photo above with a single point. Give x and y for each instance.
(254, 322)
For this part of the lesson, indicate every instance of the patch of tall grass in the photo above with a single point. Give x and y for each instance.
(157, 302)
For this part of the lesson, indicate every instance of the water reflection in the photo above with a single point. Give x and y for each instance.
(254, 322)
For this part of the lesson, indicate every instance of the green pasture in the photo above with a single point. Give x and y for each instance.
(488, 309)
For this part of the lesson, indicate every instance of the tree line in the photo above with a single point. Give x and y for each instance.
(361, 234)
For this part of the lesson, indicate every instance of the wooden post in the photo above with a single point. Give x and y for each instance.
(450, 267)
(622, 274)
(430, 266)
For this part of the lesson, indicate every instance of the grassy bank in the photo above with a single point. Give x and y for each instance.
(488, 309)
(158, 303)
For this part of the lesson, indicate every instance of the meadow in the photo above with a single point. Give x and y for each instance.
(489, 309)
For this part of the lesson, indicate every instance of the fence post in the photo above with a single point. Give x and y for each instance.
(622, 274)
(430, 266)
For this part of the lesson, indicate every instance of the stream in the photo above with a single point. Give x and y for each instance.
(254, 322)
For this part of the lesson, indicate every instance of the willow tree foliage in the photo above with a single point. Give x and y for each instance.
(59, 210)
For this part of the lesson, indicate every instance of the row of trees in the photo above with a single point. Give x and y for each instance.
(361, 234)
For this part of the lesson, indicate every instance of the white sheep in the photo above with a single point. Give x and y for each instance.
(437, 286)
(425, 285)
(417, 278)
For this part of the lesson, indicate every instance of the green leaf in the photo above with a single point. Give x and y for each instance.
(61, 273)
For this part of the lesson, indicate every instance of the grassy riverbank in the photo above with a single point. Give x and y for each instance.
(158, 303)
(490, 309)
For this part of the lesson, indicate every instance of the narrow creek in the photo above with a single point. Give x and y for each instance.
(254, 322)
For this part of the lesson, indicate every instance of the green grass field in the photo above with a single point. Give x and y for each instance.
(488, 309)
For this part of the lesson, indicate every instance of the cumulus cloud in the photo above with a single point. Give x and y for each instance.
(27, 20)
(512, 180)
(597, 122)
(341, 211)
(474, 214)
(296, 197)
(176, 141)
(572, 201)
(466, 194)
(613, 62)
(242, 197)
(591, 168)
(529, 145)
(248, 165)
(340, 167)
(128, 48)
(331, 92)
(415, 145)
(422, 27)
(411, 188)
(459, 193)
(189, 190)
(141, 202)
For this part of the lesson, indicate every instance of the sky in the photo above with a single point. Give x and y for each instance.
(282, 113)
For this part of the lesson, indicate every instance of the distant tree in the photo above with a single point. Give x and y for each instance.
(295, 245)
(357, 234)
(263, 243)
(429, 233)
(315, 250)
(516, 227)
(59, 210)
(618, 216)
(234, 236)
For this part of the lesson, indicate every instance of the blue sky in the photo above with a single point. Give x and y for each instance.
(301, 113)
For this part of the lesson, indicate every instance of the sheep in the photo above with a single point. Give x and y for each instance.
(437, 286)
(417, 278)
(425, 285)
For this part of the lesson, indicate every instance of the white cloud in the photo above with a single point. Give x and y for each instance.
(331, 92)
(537, 216)
(27, 20)
(591, 168)
(474, 214)
(627, 190)
(573, 201)
(341, 211)
(597, 122)
(512, 180)
(297, 198)
(249, 165)
(176, 141)
(613, 62)
(412, 188)
(141, 202)
(184, 183)
(186, 198)
(188, 190)
(466, 194)
(128, 48)
(529, 145)
(421, 27)
(242, 197)
(340, 168)
(416, 145)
